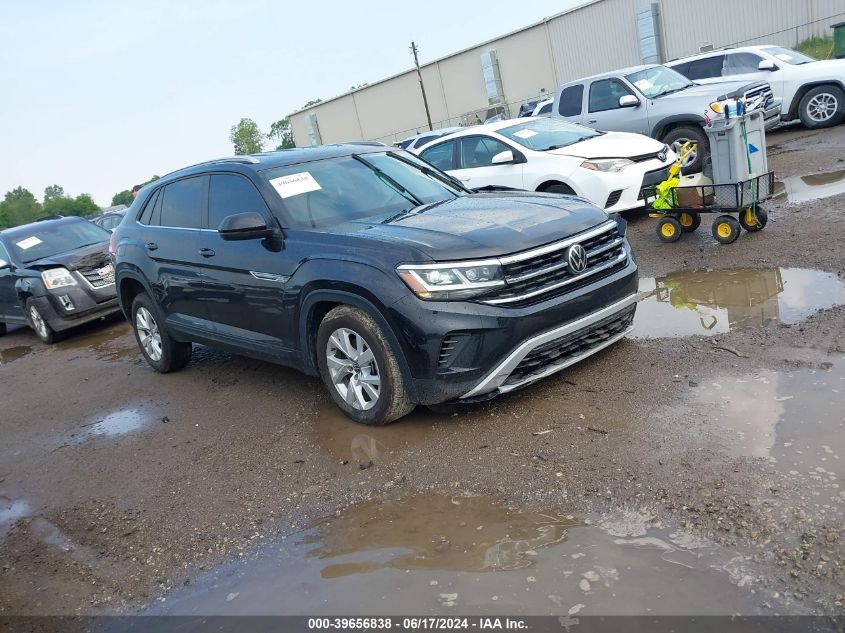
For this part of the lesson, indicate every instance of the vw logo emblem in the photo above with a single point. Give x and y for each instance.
(577, 258)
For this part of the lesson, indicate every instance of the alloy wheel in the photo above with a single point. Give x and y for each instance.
(822, 107)
(353, 369)
(38, 322)
(677, 145)
(148, 333)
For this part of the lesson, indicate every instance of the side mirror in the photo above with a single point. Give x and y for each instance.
(628, 101)
(503, 158)
(766, 64)
(4, 264)
(244, 226)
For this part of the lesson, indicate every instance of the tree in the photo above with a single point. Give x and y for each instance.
(282, 132)
(246, 137)
(124, 197)
(19, 206)
(53, 191)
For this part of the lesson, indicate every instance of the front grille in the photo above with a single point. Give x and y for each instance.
(764, 93)
(546, 275)
(559, 351)
(98, 276)
(613, 198)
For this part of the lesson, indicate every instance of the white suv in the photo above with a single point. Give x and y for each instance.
(809, 89)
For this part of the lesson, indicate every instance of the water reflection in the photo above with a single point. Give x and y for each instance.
(693, 303)
(812, 187)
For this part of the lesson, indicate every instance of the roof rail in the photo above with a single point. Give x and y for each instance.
(245, 158)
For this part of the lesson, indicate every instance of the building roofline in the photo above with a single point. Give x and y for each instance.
(583, 5)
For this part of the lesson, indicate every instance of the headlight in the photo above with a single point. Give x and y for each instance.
(608, 164)
(57, 278)
(445, 282)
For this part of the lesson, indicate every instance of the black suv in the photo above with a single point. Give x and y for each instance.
(368, 267)
(55, 275)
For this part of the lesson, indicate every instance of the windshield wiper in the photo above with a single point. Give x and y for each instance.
(389, 180)
(413, 211)
(444, 178)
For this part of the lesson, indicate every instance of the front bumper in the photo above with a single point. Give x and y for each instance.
(466, 351)
(65, 308)
(622, 190)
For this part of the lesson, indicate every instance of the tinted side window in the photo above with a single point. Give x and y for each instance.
(147, 213)
(739, 63)
(478, 151)
(423, 140)
(706, 68)
(545, 109)
(230, 194)
(571, 100)
(182, 203)
(4, 253)
(681, 68)
(605, 94)
(440, 155)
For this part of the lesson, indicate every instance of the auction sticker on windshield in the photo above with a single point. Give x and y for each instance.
(643, 84)
(525, 133)
(295, 184)
(28, 243)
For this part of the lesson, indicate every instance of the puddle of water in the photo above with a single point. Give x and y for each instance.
(710, 302)
(14, 353)
(812, 187)
(116, 424)
(796, 420)
(10, 511)
(346, 441)
(440, 553)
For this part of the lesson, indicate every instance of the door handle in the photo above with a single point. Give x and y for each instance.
(151, 246)
(206, 252)
(592, 121)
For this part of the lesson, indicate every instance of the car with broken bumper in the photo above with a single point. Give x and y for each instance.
(55, 275)
(371, 269)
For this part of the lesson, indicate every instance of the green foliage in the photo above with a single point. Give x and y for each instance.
(246, 137)
(53, 191)
(818, 47)
(281, 132)
(83, 205)
(124, 197)
(19, 206)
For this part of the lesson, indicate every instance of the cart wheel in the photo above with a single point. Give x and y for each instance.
(669, 230)
(725, 229)
(753, 220)
(689, 221)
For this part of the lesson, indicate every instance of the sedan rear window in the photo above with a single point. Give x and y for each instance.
(44, 240)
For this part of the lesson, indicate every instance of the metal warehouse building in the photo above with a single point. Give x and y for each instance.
(496, 76)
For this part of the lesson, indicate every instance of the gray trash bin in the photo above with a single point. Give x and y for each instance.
(728, 151)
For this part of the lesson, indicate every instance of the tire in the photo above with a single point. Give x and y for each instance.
(560, 188)
(39, 324)
(753, 221)
(372, 392)
(689, 221)
(822, 106)
(669, 230)
(161, 351)
(725, 229)
(676, 137)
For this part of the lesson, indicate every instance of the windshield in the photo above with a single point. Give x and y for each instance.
(331, 191)
(44, 240)
(788, 55)
(658, 81)
(543, 134)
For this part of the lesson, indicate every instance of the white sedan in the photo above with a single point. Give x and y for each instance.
(542, 154)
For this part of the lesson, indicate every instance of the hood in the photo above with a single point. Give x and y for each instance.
(611, 145)
(707, 92)
(94, 255)
(482, 225)
(827, 67)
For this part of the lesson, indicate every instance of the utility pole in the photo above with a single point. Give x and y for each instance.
(422, 87)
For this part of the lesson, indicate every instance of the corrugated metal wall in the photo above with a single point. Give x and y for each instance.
(594, 38)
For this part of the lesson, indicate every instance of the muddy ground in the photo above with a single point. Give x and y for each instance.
(121, 488)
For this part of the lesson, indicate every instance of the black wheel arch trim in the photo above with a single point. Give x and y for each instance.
(348, 298)
(672, 121)
(134, 276)
(804, 89)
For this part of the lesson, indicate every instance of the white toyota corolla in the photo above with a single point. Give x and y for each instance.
(541, 154)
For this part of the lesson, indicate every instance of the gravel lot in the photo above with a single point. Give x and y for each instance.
(119, 486)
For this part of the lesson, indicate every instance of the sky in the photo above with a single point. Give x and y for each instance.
(99, 95)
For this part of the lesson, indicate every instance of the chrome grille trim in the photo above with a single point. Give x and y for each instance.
(550, 269)
(559, 246)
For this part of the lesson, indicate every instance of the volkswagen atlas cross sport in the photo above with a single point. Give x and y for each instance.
(370, 268)
(55, 275)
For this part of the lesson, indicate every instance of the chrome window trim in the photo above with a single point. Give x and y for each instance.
(496, 378)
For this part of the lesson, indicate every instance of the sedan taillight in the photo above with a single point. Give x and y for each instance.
(113, 244)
